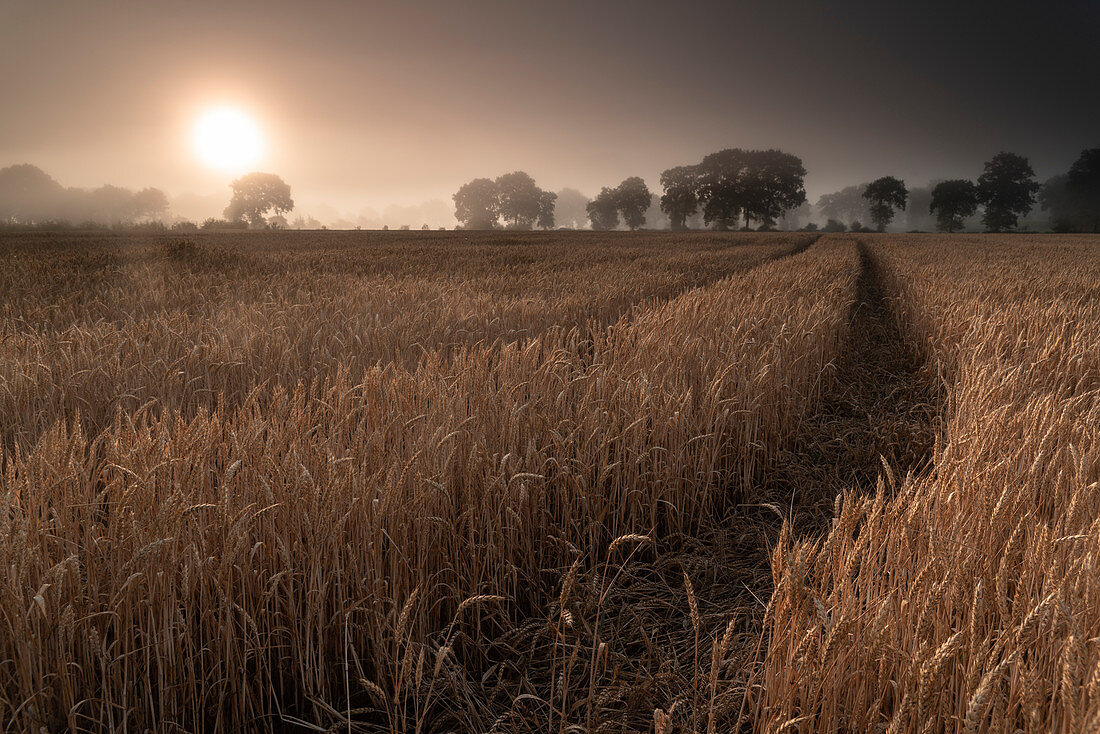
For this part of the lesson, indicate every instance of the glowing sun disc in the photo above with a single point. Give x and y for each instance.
(225, 138)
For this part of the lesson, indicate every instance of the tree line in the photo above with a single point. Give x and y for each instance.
(1005, 192)
(745, 188)
(756, 186)
(1006, 189)
(28, 195)
(732, 188)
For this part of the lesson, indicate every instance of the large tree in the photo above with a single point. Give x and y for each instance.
(520, 199)
(846, 205)
(29, 195)
(772, 183)
(150, 203)
(603, 211)
(632, 199)
(570, 209)
(477, 204)
(1083, 183)
(681, 198)
(547, 201)
(256, 194)
(1007, 188)
(885, 195)
(513, 197)
(952, 202)
(720, 190)
(758, 184)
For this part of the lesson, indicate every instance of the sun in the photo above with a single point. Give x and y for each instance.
(227, 139)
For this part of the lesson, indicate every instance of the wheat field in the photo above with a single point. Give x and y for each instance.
(427, 482)
(964, 598)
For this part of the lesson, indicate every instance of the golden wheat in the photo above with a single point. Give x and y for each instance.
(1010, 512)
(238, 475)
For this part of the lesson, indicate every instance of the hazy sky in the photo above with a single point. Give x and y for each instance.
(371, 103)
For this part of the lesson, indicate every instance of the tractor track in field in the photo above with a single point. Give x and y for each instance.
(883, 407)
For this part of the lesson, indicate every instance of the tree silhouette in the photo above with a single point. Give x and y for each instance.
(1007, 188)
(28, 194)
(570, 209)
(256, 194)
(1083, 184)
(720, 190)
(477, 204)
(633, 198)
(885, 194)
(759, 184)
(681, 198)
(603, 211)
(952, 202)
(520, 199)
(149, 203)
(846, 205)
(772, 183)
(547, 200)
(514, 197)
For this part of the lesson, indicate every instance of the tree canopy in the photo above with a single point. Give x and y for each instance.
(846, 205)
(630, 200)
(681, 197)
(570, 209)
(952, 202)
(256, 194)
(477, 204)
(759, 185)
(520, 199)
(885, 194)
(603, 211)
(513, 197)
(772, 183)
(720, 190)
(28, 195)
(547, 207)
(633, 199)
(1007, 188)
(1083, 183)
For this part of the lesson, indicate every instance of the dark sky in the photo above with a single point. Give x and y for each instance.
(370, 103)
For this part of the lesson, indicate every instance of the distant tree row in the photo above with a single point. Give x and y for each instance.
(1006, 189)
(756, 186)
(1005, 192)
(513, 198)
(733, 184)
(28, 195)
